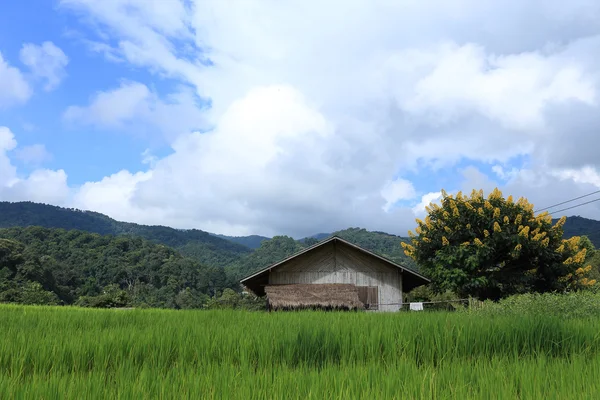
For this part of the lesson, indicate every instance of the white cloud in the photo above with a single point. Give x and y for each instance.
(396, 190)
(35, 154)
(40, 185)
(312, 119)
(587, 175)
(134, 106)
(14, 89)
(114, 107)
(426, 200)
(46, 61)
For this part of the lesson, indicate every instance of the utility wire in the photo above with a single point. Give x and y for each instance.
(577, 205)
(568, 201)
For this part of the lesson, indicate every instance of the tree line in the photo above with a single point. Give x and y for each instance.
(55, 266)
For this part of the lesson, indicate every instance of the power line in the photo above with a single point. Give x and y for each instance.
(577, 205)
(568, 201)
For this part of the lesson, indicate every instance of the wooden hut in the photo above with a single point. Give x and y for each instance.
(334, 274)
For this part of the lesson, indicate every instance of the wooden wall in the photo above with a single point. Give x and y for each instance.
(337, 262)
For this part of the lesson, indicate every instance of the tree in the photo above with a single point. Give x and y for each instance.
(33, 293)
(491, 248)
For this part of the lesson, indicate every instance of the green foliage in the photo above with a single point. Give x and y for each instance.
(269, 252)
(52, 265)
(51, 352)
(492, 248)
(252, 241)
(33, 293)
(204, 247)
(112, 297)
(232, 300)
(583, 304)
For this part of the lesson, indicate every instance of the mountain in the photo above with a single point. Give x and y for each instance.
(204, 247)
(55, 266)
(252, 241)
(269, 252)
(579, 226)
(317, 236)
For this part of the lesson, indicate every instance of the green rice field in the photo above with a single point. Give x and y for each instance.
(71, 353)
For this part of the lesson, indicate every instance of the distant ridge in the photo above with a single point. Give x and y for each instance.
(208, 249)
(252, 241)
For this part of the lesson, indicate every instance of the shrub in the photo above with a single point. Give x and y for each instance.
(581, 304)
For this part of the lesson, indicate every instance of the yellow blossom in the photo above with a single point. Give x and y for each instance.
(591, 282)
(446, 215)
(569, 261)
(579, 257)
(447, 229)
(560, 222)
(480, 211)
(518, 219)
(468, 226)
(444, 193)
(488, 205)
(545, 242)
(411, 234)
(486, 233)
(445, 241)
(506, 220)
(478, 242)
(518, 247)
(418, 230)
(495, 194)
(465, 243)
(426, 240)
(497, 227)
(496, 212)
(469, 206)
(524, 232)
(509, 199)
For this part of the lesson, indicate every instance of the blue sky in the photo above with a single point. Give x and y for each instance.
(285, 118)
(86, 153)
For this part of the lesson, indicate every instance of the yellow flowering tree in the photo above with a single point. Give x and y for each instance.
(493, 247)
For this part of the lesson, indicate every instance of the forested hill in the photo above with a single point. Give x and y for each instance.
(252, 241)
(55, 266)
(204, 247)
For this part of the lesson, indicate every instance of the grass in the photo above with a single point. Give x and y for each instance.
(70, 353)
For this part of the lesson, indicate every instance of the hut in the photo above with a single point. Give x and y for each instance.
(334, 274)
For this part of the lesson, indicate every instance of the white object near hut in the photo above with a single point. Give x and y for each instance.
(334, 274)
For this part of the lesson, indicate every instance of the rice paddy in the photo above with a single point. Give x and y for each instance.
(71, 353)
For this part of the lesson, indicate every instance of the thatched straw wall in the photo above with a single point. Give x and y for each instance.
(300, 296)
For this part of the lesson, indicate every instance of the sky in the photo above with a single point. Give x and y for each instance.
(267, 117)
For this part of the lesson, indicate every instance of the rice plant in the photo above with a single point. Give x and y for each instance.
(62, 353)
